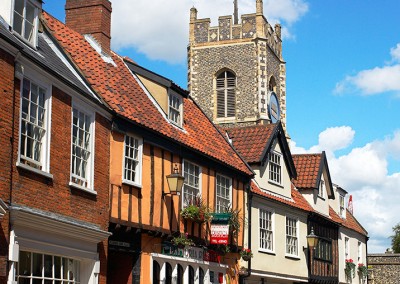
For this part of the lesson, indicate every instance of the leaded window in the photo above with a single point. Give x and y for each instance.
(226, 97)
(223, 192)
(291, 236)
(323, 250)
(266, 230)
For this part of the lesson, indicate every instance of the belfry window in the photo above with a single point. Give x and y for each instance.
(226, 98)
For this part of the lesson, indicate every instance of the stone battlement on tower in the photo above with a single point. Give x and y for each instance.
(252, 26)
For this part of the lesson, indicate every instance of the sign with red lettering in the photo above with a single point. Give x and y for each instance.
(219, 234)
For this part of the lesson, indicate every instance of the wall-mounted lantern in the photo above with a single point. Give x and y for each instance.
(175, 182)
(312, 239)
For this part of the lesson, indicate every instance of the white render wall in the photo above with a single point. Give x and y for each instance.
(354, 238)
(278, 262)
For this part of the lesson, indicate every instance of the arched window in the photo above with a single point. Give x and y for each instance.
(168, 274)
(180, 274)
(156, 272)
(272, 85)
(201, 276)
(191, 275)
(226, 98)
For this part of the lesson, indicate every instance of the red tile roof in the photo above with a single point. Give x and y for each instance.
(251, 141)
(118, 88)
(350, 222)
(307, 167)
(298, 201)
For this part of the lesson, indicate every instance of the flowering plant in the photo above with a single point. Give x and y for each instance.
(246, 254)
(363, 270)
(350, 269)
(196, 210)
(182, 240)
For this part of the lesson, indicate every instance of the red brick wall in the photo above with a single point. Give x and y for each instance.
(56, 195)
(6, 106)
(90, 17)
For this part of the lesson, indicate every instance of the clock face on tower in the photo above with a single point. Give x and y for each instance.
(273, 108)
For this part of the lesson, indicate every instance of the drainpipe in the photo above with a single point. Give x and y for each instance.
(249, 206)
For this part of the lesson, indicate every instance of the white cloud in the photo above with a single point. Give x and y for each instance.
(363, 172)
(374, 81)
(160, 28)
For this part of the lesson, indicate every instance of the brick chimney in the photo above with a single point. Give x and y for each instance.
(91, 17)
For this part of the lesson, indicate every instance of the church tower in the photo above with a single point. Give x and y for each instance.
(236, 72)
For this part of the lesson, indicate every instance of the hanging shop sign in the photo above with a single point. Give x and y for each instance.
(219, 234)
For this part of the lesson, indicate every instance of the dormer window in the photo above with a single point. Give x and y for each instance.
(275, 168)
(341, 206)
(321, 190)
(25, 20)
(175, 109)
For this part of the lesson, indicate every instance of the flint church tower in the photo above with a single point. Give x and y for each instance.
(236, 72)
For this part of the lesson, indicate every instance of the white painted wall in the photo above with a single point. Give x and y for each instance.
(262, 177)
(5, 10)
(354, 238)
(321, 205)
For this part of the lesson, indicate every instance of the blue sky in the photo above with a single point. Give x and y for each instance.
(343, 83)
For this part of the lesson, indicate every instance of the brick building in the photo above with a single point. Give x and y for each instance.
(54, 181)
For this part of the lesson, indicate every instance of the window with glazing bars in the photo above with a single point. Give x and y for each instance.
(291, 236)
(191, 188)
(25, 19)
(323, 250)
(341, 201)
(226, 98)
(175, 109)
(132, 156)
(44, 268)
(266, 230)
(33, 124)
(81, 148)
(223, 198)
(275, 167)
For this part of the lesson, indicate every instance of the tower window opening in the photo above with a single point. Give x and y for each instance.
(226, 98)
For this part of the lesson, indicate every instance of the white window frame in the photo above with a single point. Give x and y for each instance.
(321, 189)
(88, 111)
(137, 181)
(36, 5)
(186, 184)
(275, 168)
(346, 248)
(359, 255)
(173, 110)
(41, 166)
(295, 236)
(272, 230)
(228, 92)
(342, 209)
(76, 264)
(220, 197)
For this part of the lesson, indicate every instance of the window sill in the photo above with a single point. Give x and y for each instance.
(275, 183)
(267, 251)
(36, 171)
(131, 183)
(85, 189)
(294, 257)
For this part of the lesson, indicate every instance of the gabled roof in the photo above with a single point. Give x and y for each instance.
(349, 222)
(117, 86)
(297, 200)
(310, 168)
(255, 142)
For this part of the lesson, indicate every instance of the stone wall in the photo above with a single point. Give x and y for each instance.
(384, 268)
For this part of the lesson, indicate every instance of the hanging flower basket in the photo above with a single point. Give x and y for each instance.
(246, 254)
(350, 269)
(363, 270)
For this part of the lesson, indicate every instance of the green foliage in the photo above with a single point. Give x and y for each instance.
(396, 239)
(363, 270)
(196, 210)
(235, 220)
(182, 240)
(350, 269)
